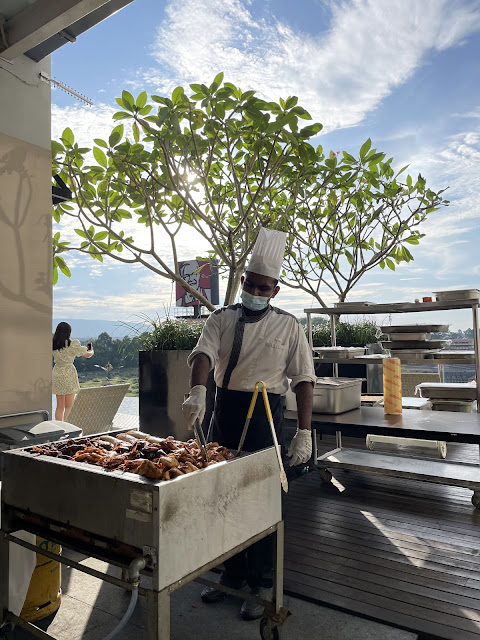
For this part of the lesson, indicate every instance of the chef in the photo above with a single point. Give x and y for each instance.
(245, 343)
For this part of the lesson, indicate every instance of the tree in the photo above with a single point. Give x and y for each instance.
(354, 216)
(221, 162)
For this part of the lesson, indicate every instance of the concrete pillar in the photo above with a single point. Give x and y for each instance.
(25, 237)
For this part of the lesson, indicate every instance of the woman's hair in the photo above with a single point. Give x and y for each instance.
(61, 337)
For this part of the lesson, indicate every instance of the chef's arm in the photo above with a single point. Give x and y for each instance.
(199, 371)
(304, 392)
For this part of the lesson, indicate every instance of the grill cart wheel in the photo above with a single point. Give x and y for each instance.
(476, 500)
(267, 632)
(325, 475)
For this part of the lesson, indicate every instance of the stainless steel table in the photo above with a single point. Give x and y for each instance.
(442, 425)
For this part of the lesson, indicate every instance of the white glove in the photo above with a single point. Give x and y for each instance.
(300, 449)
(194, 405)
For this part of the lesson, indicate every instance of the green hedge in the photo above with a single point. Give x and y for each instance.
(183, 334)
(171, 335)
(349, 334)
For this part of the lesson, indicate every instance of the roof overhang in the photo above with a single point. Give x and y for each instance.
(40, 27)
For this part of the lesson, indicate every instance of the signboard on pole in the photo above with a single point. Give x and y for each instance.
(201, 275)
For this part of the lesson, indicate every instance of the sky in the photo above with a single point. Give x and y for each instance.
(404, 73)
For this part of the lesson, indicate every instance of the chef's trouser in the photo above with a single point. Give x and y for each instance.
(255, 564)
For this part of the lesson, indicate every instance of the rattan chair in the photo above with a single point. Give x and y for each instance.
(95, 407)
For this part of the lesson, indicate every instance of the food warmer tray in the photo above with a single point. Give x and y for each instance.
(418, 337)
(455, 355)
(413, 344)
(341, 353)
(448, 391)
(412, 354)
(457, 294)
(415, 328)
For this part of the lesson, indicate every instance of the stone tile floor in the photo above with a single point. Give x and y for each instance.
(91, 608)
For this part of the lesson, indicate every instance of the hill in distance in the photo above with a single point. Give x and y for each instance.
(93, 328)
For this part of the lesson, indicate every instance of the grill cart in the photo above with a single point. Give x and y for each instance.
(172, 530)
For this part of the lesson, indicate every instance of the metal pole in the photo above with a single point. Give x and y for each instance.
(75, 565)
(279, 547)
(4, 573)
(158, 603)
(477, 351)
(31, 628)
(333, 334)
(338, 437)
(309, 330)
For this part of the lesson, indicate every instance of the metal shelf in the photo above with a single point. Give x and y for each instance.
(401, 307)
(397, 307)
(367, 360)
(450, 473)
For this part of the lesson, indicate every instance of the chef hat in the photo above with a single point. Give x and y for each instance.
(267, 254)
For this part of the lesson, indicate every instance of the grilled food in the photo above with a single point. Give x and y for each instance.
(136, 452)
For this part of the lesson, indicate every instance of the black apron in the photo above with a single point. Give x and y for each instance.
(230, 413)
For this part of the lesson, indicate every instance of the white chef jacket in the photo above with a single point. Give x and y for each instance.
(273, 347)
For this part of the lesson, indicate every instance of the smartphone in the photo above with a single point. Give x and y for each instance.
(89, 346)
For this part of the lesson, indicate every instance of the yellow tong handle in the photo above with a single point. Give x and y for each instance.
(266, 402)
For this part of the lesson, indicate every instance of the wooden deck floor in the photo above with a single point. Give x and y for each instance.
(403, 552)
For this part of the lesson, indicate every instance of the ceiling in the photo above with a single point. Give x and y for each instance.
(36, 28)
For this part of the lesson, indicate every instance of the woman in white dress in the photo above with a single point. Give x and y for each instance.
(64, 376)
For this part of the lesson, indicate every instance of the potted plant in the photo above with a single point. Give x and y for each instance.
(164, 376)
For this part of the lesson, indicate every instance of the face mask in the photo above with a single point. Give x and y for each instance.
(254, 303)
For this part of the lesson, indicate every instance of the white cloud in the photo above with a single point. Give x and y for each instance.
(339, 75)
(86, 123)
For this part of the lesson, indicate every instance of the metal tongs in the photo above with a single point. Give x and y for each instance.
(200, 438)
(283, 477)
(199, 435)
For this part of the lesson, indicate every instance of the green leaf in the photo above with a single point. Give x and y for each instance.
(175, 123)
(349, 158)
(100, 157)
(115, 136)
(412, 240)
(67, 137)
(141, 100)
(81, 233)
(365, 148)
(57, 148)
(128, 99)
(101, 235)
(177, 95)
(136, 132)
(64, 269)
(374, 158)
(390, 264)
(100, 143)
(218, 79)
(121, 115)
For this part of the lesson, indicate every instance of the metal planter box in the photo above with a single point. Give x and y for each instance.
(163, 381)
